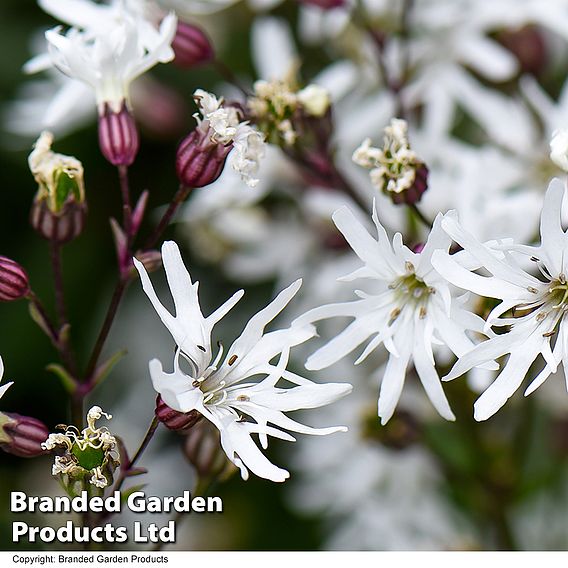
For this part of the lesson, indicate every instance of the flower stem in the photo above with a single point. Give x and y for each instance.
(227, 74)
(55, 254)
(105, 329)
(126, 205)
(423, 219)
(141, 449)
(180, 196)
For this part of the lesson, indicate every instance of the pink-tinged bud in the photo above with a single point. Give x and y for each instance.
(118, 136)
(200, 160)
(22, 435)
(191, 46)
(414, 193)
(324, 4)
(418, 248)
(173, 419)
(60, 227)
(14, 282)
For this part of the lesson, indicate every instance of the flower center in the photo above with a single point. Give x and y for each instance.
(410, 290)
(558, 293)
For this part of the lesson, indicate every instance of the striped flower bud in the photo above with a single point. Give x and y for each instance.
(200, 158)
(22, 435)
(118, 136)
(191, 46)
(14, 282)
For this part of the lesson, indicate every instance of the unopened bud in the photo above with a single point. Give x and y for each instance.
(203, 450)
(191, 46)
(22, 435)
(118, 136)
(173, 419)
(59, 208)
(324, 4)
(14, 282)
(200, 159)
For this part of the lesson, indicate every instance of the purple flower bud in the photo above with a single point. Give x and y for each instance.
(118, 136)
(200, 160)
(191, 46)
(60, 227)
(14, 282)
(22, 435)
(173, 419)
(324, 4)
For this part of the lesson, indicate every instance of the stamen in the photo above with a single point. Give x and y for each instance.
(232, 359)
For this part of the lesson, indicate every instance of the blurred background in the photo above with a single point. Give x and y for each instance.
(417, 483)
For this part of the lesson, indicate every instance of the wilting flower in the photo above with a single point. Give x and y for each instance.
(396, 170)
(222, 388)
(90, 454)
(409, 309)
(59, 208)
(220, 130)
(537, 305)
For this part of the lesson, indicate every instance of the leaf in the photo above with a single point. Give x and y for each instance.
(105, 368)
(69, 383)
(127, 492)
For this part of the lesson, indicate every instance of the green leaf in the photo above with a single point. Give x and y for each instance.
(69, 383)
(105, 368)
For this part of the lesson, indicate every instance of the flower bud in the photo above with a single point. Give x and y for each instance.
(118, 136)
(22, 435)
(59, 208)
(173, 419)
(200, 159)
(151, 259)
(14, 282)
(191, 46)
(203, 450)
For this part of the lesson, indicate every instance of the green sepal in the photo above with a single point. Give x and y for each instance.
(68, 382)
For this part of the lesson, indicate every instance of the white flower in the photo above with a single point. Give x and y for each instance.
(537, 305)
(559, 149)
(222, 389)
(108, 62)
(5, 387)
(409, 309)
